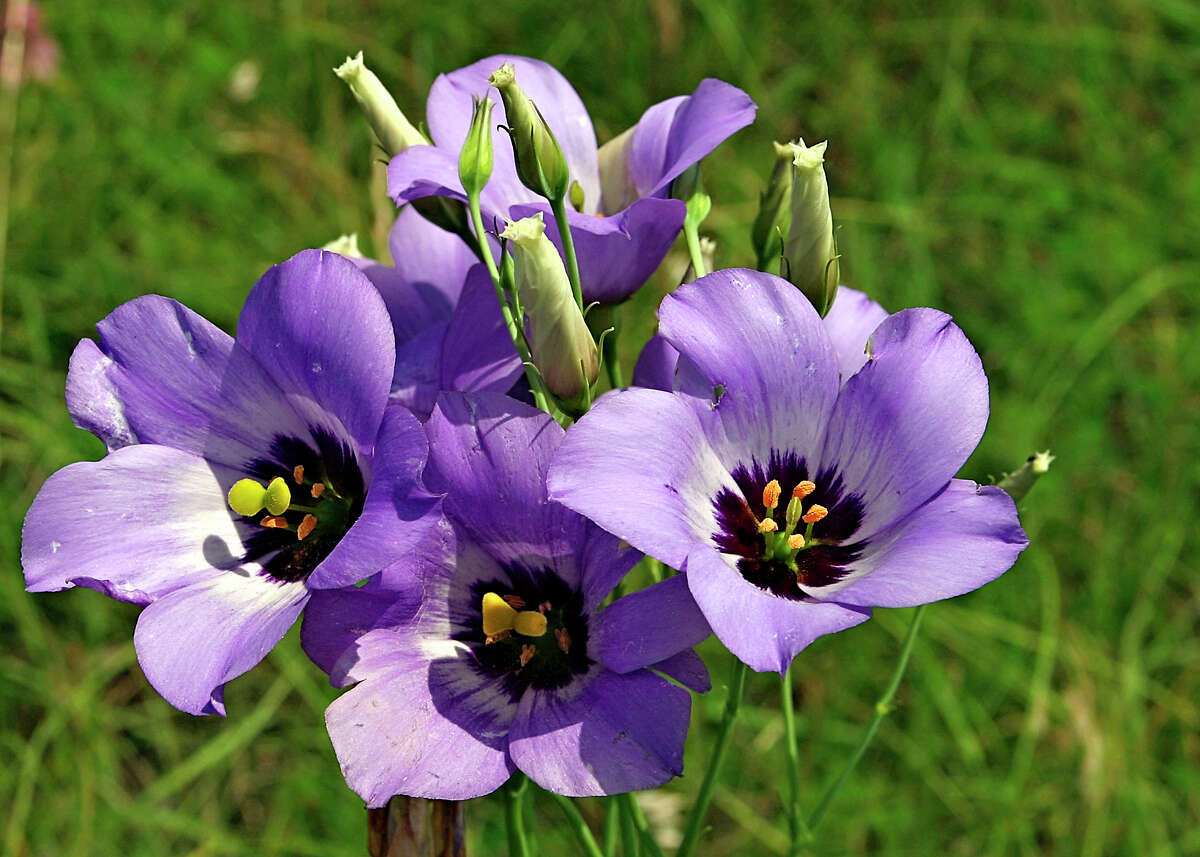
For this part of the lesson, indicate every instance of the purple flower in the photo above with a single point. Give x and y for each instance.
(488, 651)
(298, 404)
(448, 328)
(625, 225)
(703, 477)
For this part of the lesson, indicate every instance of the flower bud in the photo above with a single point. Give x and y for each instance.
(541, 165)
(774, 210)
(345, 245)
(391, 126)
(810, 250)
(475, 160)
(1018, 483)
(559, 340)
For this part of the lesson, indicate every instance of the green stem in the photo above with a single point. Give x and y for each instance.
(691, 231)
(612, 828)
(514, 818)
(629, 837)
(578, 825)
(633, 811)
(559, 207)
(612, 360)
(695, 825)
(800, 834)
(882, 708)
(515, 332)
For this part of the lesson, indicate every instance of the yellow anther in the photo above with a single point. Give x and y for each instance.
(317, 490)
(497, 615)
(279, 496)
(815, 513)
(306, 526)
(247, 497)
(527, 653)
(803, 489)
(795, 542)
(563, 638)
(771, 494)
(767, 526)
(298, 474)
(273, 522)
(530, 623)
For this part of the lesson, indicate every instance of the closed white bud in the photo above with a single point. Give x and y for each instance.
(391, 126)
(810, 249)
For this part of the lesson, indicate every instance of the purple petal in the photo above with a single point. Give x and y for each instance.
(335, 619)
(639, 465)
(648, 626)
(688, 669)
(906, 423)
(592, 741)
(676, 133)
(320, 329)
(763, 630)
(412, 731)
(430, 260)
(958, 541)
(850, 322)
(477, 352)
(141, 523)
(655, 368)
(616, 254)
(397, 513)
(449, 109)
(163, 374)
(756, 337)
(417, 378)
(193, 640)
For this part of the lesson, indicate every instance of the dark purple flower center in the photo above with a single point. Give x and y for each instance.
(296, 542)
(764, 557)
(545, 662)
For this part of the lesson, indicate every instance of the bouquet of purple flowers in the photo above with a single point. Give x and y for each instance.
(439, 464)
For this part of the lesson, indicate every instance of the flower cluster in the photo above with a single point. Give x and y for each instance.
(415, 457)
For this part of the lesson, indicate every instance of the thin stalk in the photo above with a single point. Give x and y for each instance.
(518, 845)
(634, 812)
(695, 825)
(882, 708)
(800, 834)
(578, 825)
(629, 837)
(612, 360)
(612, 828)
(691, 231)
(559, 207)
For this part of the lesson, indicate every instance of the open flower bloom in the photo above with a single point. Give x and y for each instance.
(623, 226)
(240, 474)
(445, 317)
(488, 651)
(792, 501)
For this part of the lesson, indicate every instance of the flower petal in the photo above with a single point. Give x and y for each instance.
(676, 133)
(961, 539)
(590, 740)
(755, 337)
(193, 640)
(655, 367)
(477, 354)
(639, 465)
(688, 669)
(335, 620)
(341, 370)
(763, 630)
(616, 254)
(908, 420)
(850, 322)
(647, 626)
(430, 260)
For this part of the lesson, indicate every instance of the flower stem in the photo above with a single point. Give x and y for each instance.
(514, 816)
(559, 207)
(882, 708)
(578, 825)
(612, 828)
(691, 231)
(633, 811)
(800, 834)
(629, 837)
(695, 825)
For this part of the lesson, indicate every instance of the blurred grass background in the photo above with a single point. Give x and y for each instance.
(1030, 167)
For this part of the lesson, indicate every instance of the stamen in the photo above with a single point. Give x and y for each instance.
(795, 542)
(279, 496)
(247, 497)
(544, 606)
(317, 490)
(803, 489)
(498, 616)
(496, 638)
(515, 601)
(815, 513)
(768, 526)
(529, 623)
(771, 494)
(564, 639)
(306, 526)
(274, 522)
(527, 653)
(298, 474)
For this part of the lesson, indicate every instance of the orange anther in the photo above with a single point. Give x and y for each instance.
(767, 526)
(298, 474)
(317, 490)
(516, 602)
(803, 489)
(795, 542)
(564, 639)
(815, 513)
(527, 653)
(274, 522)
(496, 638)
(771, 494)
(306, 526)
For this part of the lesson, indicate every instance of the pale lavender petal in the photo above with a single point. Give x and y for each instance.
(678, 132)
(398, 511)
(961, 539)
(616, 254)
(850, 322)
(592, 741)
(906, 422)
(406, 305)
(163, 374)
(431, 260)
(418, 375)
(647, 626)
(193, 640)
(655, 368)
(421, 171)
(477, 352)
(639, 465)
(335, 620)
(688, 669)
(143, 522)
(763, 630)
(764, 353)
(320, 329)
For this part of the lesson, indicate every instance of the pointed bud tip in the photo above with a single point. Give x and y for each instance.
(504, 76)
(525, 230)
(351, 68)
(1041, 462)
(344, 245)
(807, 157)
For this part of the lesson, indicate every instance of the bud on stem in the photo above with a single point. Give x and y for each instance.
(810, 250)
(774, 210)
(1018, 483)
(391, 126)
(541, 165)
(476, 158)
